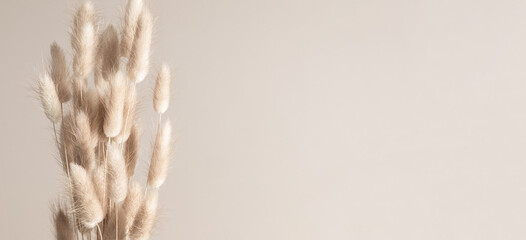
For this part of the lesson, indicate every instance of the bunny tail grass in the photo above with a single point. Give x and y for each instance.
(67, 140)
(93, 104)
(59, 73)
(133, 11)
(129, 113)
(49, 98)
(109, 42)
(85, 142)
(139, 61)
(63, 227)
(160, 156)
(83, 40)
(161, 92)
(129, 208)
(87, 206)
(144, 220)
(117, 178)
(131, 150)
(100, 184)
(115, 106)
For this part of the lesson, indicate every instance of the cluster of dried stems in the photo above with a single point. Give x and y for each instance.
(96, 129)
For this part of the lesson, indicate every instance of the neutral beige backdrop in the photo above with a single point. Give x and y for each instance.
(303, 119)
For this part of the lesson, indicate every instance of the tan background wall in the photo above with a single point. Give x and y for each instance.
(303, 119)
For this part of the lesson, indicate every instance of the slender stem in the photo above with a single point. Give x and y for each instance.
(116, 222)
(100, 233)
(105, 149)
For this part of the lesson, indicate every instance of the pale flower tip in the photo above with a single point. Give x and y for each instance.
(49, 98)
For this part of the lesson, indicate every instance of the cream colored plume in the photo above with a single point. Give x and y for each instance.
(59, 73)
(83, 41)
(85, 141)
(139, 62)
(129, 208)
(87, 206)
(115, 106)
(161, 93)
(117, 178)
(100, 184)
(143, 224)
(129, 113)
(131, 150)
(67, 140)
(49, 98)
(111, 52)
(133, 11)
(160, 156)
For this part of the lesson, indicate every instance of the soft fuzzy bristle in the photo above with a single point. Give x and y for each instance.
(99, 181)
(133, 11)
(80, 90)
(131, 150)
(161, 94)
(139, 62)
(160, 156)
(59, 73)
(49, 98)
(145, 218)
(115, 106)
(85, 141)
(110, 50)
(129, 113)
(117, 178)
(95, 112)
(83, 40)
(67, 140)
(129, 209)
(63, 227)
(87, 206)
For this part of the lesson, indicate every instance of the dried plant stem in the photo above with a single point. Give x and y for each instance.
(116, 223)
(100, 233)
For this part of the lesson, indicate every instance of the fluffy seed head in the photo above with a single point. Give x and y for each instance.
(67, 140)
(110, 52)
(161, 94)
(131, 150)
(115, 106)
(59, 73)
(86, 202)
(83, 40)
(99, 182)
(49, 98)
(139, 62)
(85, 141)
(129, 114)
(133, 11)
(117, 178)
(145, 218)
(160, 156)
(130, 207)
